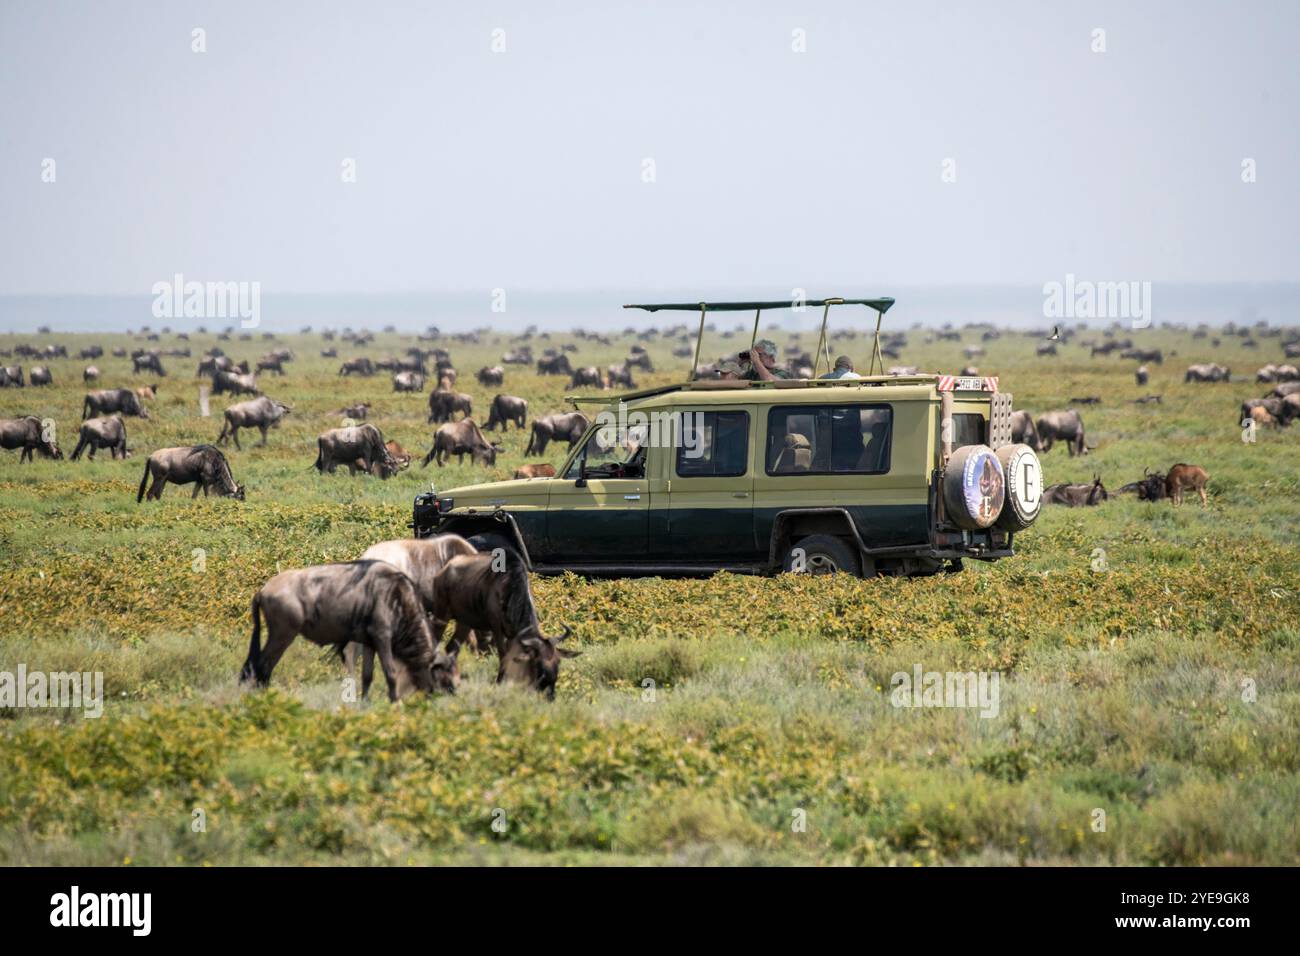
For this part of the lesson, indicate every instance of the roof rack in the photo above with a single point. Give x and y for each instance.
(880, 305)
(713, 385)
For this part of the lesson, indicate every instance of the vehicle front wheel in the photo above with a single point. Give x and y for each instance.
(822, 554)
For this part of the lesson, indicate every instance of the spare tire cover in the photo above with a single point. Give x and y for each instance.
(974, 487)
(1024, 477)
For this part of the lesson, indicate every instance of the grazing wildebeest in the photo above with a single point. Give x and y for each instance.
(1023, 431)
(540, 470)
(90, 374)
(148, 362)
(1147, 400)
(558, 427)
(1143, 375)
(261, 413)
(11, 376)
(40, 375)
(480, 594)
(213, 364)
(358, 366)
(1086, 400)
(491, 377)
(28, 434)
(401, 460)
(420, 559)
(201, 465)
(1046, 348)
(1144, 355)
(443, 404)
(970, 370)
(1183, 476)
(640, 360)
(109, 400)
(93, 352)
(1285, 389)
(554, 365)
(460, 439)
(270, 363)
(97, 433)
(1076, 496)
(619, 375)
(1276, 408)
(587, 376)
(1210, 372)
(358, 413)
(234, 383)
(408, 382)
(506, 409)
(522, 356)
(364, 602)
(360, 447)
(1064, 426)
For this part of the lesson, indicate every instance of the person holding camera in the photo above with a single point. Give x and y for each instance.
(759, 363)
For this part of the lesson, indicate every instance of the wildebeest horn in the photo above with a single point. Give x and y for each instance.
(563, 637)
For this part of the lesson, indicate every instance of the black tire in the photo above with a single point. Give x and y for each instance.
(823, 554)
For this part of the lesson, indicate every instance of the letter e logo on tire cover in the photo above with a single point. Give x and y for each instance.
(1024, 476)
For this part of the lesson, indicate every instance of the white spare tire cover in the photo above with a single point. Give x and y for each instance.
(1024, 477)
(973, 487)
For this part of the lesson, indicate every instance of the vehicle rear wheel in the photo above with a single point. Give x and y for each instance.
(822, 554)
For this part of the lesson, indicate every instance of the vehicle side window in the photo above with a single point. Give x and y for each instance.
(713, 444)
(829, 439)
(968, 428)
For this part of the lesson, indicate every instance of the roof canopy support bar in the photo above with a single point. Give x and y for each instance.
(754, 338)
(875, 350)
(699, 340)
(822, 344)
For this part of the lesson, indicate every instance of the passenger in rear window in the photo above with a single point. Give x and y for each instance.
(829, 439)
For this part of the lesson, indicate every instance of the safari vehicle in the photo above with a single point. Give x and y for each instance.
(903, 475)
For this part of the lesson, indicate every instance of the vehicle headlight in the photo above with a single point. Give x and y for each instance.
(446, 504)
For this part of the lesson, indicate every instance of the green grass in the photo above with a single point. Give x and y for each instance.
(704, 718)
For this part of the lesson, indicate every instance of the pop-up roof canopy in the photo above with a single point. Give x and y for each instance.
(880, 305)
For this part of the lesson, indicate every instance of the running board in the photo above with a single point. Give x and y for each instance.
(648, 570)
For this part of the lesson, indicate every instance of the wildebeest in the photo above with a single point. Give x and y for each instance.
(109, 400)
(234, 383)
(144, 392)
(1209, 372)
(1064, 426)
(489, 377)
(1143, 375)
(587, 376)
(639, 360)
(1150, 488)
(201, 465)
(1045, 348)
(1183, 476)
(401, 460)
(1076, 496)
(444, 404)
(358, 366)
(554, 365)
(261, 413)
(367, 602)
(270, 363)
(29, 434)
(97, 433)
(1275, 407)
(408, 382)
(460, 439)
(1023, 431)
(11, 376)
(360, 447)
(1086, 400)
(1147, 400)
(40, 375)
(479, 594)
(538, 470)
(506, 409)
(93, 352)
(1144, 355)
(1285, 389)
(558, 427)
(619, 376)
(89, 374)
(1261, 417)
(420, 559)
(358, 413)
(148, 362)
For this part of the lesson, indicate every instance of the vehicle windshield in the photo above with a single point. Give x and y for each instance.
(606, 454)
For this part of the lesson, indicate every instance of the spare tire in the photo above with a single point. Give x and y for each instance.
(1024, 475)
(974, 487)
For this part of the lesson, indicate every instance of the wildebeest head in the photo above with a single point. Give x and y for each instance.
(533, 660)
(444, 672)
(1098, 493)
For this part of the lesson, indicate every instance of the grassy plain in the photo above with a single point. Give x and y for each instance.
(1128, 638)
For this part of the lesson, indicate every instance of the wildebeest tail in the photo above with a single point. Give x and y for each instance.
(144, 480)
(532, 438)
(251, 665)
(319, 464)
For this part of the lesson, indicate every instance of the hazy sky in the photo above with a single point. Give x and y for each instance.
(524, 169)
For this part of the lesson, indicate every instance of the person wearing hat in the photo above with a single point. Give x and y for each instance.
(729, 370)
(761, 364)
(843, 369)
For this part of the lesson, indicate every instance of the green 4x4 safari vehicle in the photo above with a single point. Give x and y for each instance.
(901, 474)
